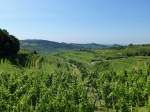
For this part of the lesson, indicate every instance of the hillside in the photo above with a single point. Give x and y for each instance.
(101, 80)
(49, 46)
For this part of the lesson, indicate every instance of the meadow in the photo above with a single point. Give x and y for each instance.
(85, 80)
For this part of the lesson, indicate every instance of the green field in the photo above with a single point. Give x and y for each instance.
(87, 80)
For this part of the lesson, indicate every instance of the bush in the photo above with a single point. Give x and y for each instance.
(9, 44)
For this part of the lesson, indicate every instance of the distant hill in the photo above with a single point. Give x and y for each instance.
(49, 46)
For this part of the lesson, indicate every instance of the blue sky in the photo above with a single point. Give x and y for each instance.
(78, 21)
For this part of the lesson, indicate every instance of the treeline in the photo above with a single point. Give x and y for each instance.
(137, 50)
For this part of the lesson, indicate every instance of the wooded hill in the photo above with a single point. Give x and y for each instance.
(50, 46)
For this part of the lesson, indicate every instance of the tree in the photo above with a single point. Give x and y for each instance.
(9, 44)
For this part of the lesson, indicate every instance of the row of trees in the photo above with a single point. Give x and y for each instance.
(137, 50)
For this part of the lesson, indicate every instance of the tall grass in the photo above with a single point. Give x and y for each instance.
(61, 84)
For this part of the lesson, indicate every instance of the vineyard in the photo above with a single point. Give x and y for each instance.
(88, 80)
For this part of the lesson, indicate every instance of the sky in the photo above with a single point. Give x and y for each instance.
(78, 21)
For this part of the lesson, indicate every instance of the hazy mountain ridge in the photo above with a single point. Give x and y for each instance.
(48, 46)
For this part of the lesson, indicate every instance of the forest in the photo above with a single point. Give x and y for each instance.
(115, 79)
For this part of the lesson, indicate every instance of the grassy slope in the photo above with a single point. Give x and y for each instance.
(39, 68)
(117, 61)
